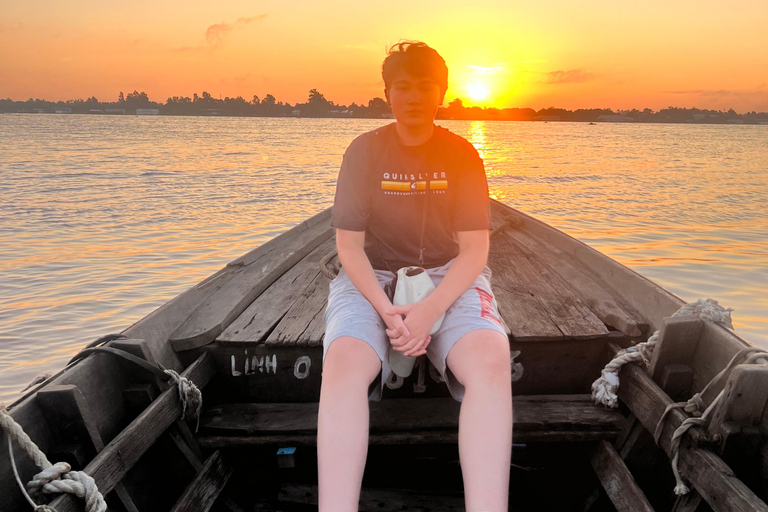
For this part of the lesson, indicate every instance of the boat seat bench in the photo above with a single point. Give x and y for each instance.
(550, 418)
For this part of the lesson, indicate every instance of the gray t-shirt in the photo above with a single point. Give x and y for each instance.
(395, 192)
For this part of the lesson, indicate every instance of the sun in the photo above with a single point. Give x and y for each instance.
(478, 91)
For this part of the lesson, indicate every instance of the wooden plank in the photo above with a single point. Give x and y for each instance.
(160, 324)
(201, 493)
(687, 503)
(65, 407)
(600, 298)
(650, 300)
(261, 317)
(706, 472)
(525, 276)
(414, 438)
(315, 332)
(311, 302)
(678, 339)
(114, 461)
(618, 482)
(744, 399)
(380, 500)
(524, 315)
(411, 418)
(213, 316)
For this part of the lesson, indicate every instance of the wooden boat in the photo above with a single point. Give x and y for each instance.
(251, 336)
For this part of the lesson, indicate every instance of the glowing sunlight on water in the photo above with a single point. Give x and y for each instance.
(105, 218)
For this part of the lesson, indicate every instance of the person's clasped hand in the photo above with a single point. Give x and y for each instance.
(419, 319)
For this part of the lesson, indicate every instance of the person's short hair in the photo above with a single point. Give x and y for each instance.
(418, 60)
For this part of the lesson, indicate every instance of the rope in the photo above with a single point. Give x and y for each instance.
(54, 478)
(331, 273)
(604, 389)
(189, 395)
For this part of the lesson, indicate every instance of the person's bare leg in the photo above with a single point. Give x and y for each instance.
(342, 424)
(480, 361)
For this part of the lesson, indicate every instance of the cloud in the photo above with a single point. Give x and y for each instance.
(216, 33)
(718, 93)
(568, 77)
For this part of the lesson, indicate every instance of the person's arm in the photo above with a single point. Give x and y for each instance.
(351, 248)
(421, 316)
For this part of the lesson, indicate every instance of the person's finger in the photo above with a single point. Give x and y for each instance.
(399, 310)
(393, 333)
(420, 345)
(400, 325)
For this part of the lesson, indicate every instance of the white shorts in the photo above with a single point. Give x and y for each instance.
(350, 314)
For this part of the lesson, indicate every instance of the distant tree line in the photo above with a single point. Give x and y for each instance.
(318, 106)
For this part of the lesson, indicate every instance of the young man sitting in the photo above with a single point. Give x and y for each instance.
(412, 193)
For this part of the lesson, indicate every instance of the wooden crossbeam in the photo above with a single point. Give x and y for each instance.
(119, 456)
(617, 481)
(708, 474)
(65, 406)
(546, 418)
(202, 491)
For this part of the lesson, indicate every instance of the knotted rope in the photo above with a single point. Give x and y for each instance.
(694, 406)
(605, 388)
(54, 478)
(189, 395)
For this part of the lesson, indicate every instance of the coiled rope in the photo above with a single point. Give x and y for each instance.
(54, 478)
(59, 477)
(604, 389)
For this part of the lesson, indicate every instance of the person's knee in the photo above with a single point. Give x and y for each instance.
(481, 358)
(350, 361)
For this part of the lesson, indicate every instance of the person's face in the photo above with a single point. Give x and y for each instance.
(414, 101)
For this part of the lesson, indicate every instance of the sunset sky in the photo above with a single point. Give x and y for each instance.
(654, 54)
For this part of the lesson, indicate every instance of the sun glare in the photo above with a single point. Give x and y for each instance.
(478, 91)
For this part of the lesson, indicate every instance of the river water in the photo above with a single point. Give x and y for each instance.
(105, 218)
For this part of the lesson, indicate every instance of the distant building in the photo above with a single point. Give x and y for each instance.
(295, 113)
(147, 111)
(63, 110)
(735, 121)
(114, 111)
(615, 118)
(547, 118)
(95, 111)
(699, 117)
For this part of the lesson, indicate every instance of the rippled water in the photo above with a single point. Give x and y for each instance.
(105, 218)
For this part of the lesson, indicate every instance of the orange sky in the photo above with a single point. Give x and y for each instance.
(687, 53)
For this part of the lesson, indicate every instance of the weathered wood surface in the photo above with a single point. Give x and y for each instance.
(651, 301)
(257, 273)
(708, 474)
(596, 294)
(264, 313)
(303, 323)
(618, 482)
(114, 461)
(380, 500)
(559, 416)
(678, 339)
(202, 491)
(65, 407)
(524, 275)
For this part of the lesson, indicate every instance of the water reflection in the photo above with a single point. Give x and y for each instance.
(104, 218)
